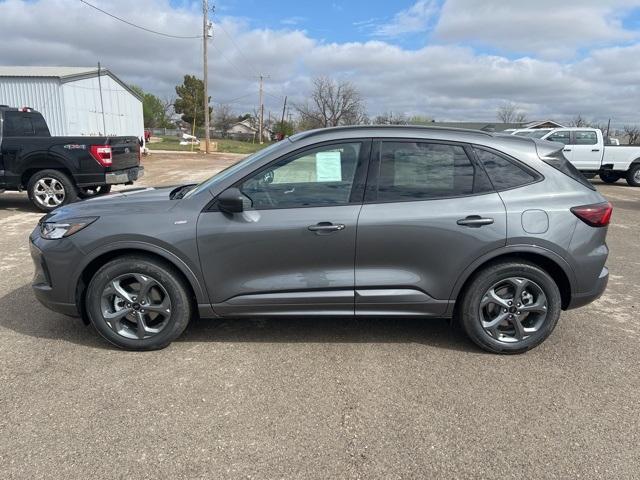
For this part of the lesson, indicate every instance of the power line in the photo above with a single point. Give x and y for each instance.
(244, 74)
(137, 26)
(238, 48)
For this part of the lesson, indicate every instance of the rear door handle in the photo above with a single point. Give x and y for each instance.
(474, 221)
(326, 227)
(595, 149)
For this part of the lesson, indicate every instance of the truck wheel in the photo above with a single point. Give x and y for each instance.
(609, 176)
(50, 189)
(93, 191)
(633, 175)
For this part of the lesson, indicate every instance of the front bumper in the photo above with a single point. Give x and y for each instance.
(582, 299)
(51, 283)
(124, 176)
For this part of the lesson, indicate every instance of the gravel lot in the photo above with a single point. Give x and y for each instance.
(319, 398)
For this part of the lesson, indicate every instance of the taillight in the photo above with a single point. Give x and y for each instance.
(597, 215)
(102, 154)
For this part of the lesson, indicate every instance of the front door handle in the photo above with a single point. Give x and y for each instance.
(474, 221)
(566, 150)
(326, 227)
(595, 149)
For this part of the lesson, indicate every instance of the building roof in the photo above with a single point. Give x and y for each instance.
(65, 74)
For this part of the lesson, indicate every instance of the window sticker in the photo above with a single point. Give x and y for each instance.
(328, 167)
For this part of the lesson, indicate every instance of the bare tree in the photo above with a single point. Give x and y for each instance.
(578, 121)
(632, 133)
(389, 118)
(331, 104)
(224, 118)
(509, 112)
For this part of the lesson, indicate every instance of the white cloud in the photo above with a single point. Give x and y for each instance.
(414, 19)
(443, 81)
(548, 28)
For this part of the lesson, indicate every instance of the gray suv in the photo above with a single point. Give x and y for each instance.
(500, 232)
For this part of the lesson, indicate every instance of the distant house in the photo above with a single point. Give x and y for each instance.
(498, 126)
(246, 130)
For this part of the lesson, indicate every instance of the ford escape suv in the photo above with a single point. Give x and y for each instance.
(500, 232)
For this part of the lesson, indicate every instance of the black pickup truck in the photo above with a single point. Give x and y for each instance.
(58, 170)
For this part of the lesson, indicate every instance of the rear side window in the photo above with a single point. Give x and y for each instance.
(558, 161)
(19, 124)
(504, 174)
(585, 137)
(563, 137)
(422, 171)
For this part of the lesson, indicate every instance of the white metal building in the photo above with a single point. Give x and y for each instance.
(74, 100)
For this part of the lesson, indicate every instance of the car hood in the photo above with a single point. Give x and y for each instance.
(123, 202)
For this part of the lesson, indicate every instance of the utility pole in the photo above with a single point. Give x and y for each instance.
(261, 112)
(206, 25)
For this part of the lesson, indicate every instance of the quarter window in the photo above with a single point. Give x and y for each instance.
(503, 173)
(422, 171)
(323, 176)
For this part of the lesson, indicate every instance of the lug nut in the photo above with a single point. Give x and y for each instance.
(510, 303)
(518, 313)
(133, 298)
(142, 311)
(128, 305)
(505, 310)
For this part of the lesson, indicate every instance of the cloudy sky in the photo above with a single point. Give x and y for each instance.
(447, 59)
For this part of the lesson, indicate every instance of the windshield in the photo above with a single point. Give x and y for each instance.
(230, 170)
(539, 133)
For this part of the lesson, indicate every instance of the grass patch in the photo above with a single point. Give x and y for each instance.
(224, 145)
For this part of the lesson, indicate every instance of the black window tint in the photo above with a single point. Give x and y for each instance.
(585, 137)
(419, 171)
(18, 124)
(503, 173)
(563, 137)
(319, 177)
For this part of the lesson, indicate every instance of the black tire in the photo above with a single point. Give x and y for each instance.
(609, 176)
(94, 191)
(633, 175)
(470, 306)
(51, 177)
(160, 272)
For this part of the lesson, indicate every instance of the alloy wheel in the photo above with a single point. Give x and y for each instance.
(49, 192)
(513, 309)
(135, 306)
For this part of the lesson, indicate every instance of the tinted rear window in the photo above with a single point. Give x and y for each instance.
(558, 161)
(503, 173)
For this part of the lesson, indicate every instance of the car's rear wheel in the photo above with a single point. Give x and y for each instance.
(138, 303)
(609, 176)
(50, 189)
(633, 175)
(510, 307)
(93, 191)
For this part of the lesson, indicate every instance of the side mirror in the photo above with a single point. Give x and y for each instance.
(230, 201)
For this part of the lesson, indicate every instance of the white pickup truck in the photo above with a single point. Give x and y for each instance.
(586, 150)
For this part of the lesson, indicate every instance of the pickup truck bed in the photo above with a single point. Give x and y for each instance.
(73, 166)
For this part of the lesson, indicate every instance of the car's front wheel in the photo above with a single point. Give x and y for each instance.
(138, 303)
(510, 307)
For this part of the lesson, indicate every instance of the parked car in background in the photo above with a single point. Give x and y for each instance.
(586, 149)
(348, 221)
(57, 170)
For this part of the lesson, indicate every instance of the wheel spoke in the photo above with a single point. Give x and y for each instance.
(518, 327)
(538, 307)
(142, 326)
(146, 284)
(496, 321)
(492, 297)
(163, 308)
(120, 291)
(521, 284)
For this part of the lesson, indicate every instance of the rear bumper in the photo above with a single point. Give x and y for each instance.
(582, 299)
(124, 176)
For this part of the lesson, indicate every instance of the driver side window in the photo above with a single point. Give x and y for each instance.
(319, 177)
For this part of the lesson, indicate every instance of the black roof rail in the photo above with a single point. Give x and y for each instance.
(320, 131)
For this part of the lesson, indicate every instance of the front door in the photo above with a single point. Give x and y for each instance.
(430, 211)
(291, 251)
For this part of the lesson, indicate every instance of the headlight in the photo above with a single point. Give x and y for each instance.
(54, 230)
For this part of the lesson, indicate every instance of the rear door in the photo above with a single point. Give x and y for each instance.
(429, 212)
(586, 150)
(291, 251)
